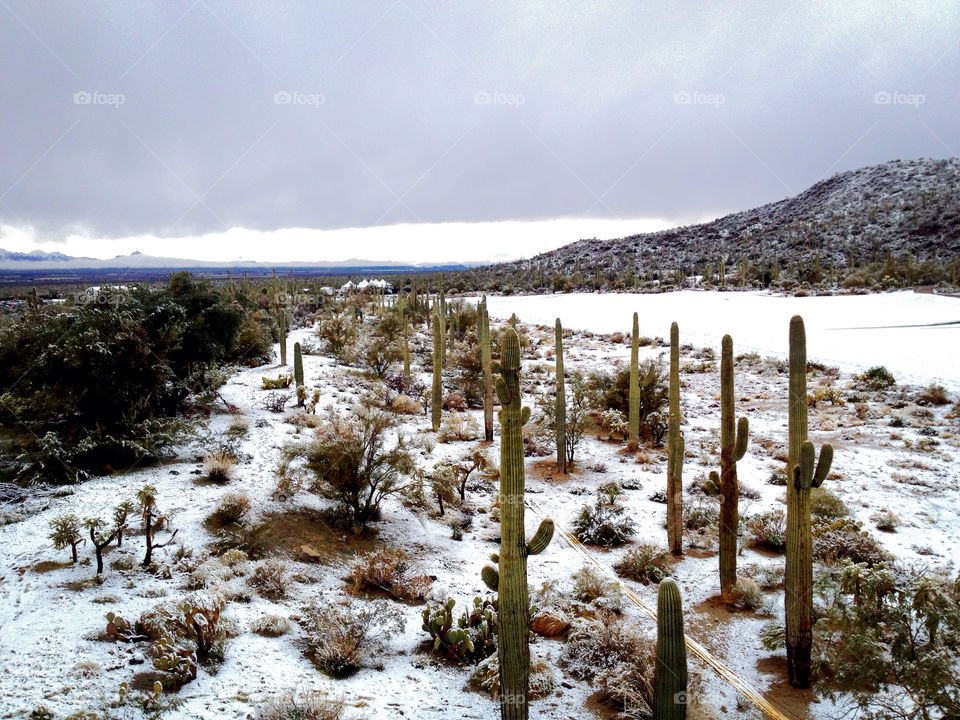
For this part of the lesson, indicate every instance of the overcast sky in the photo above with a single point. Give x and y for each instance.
(226, 129)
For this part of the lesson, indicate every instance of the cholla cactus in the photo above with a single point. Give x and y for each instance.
(65, 532)
(121, 514)
(99, 538)
(153, 521)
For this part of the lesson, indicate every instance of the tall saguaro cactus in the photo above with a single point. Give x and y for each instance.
(675, 446)
(279, 299)
(560, 416)
(670, 671)
(483, 320)
(633, 420)
(510, 582)
(733, 446)
(436, 396)
(801, 477)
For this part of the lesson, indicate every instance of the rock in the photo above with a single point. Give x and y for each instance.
(308, 553)
(548, 625)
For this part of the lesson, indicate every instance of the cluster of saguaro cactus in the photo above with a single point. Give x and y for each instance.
(670, 672)
(510, 582)
(483, 322)
(675, 446)
(560, 414)
(633, 417)
(733, 446)
(436, 396)
(802, 475)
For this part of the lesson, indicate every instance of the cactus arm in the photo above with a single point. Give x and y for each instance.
(740, 448)
(541, 538)
(823, 465)
(490, 576)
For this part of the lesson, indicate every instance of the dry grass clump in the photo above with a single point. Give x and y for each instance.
(271, 579)
(389, 570)
(218, 467)
(232, 508)
(646, 563)
(406, 405)
(339, 638)
(270, 626)
(302, 706)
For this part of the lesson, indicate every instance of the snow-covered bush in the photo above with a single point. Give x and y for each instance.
(768, 530)
(339, 638)
(486, 678)
(301, 706)
(646, 563)
(270, 626)
(65, 532)
(232, 508)
(271, 579)
(389, 570)
(601, 524)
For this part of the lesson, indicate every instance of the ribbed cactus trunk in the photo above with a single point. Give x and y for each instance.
(279, 299)
(670, 671)
(436, 396)
(733, 445)
(675, 446)
(406, 349)
(487, 364)
(442, 322)
(801, 477)
(561, 409)
(633, 420)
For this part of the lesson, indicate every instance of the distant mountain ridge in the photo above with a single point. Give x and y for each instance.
(894, 207)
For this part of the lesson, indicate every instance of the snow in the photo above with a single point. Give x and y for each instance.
(46, 628)
(759, 323)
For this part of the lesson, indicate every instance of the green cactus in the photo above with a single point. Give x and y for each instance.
(436, 396)
(472, 637)
(801, 477)
(560, 416)
(483, 321)
(511, 580)
(733, 446)
(281, 317)
(298, 364)
(675, 445)
(406, 347)
(65, 532)
(670, 671)
(633, 418)
(443, 323)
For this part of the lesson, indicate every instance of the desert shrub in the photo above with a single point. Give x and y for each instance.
(486, 678)
(270, 626)
(458, 427)
(606, 391)
(887, 521)
(600, 524)
(934, 395)
(271, 579)
(891, 640)
(835, 541)
(232, 508)
(339, 638)
(746, 594)
(454, 401)
(615, 423)
(577, 415)
(468, 377)
(875, 378)
(645, 563)
(379, 356)
(406, 405)
(239, 426)
(589, 585)
(276, 401)
(778, 476)
(101, 383)
(336, 331)
(768, 530)
(826, 505)
(301, 706)
(616, 658)
(701, 516)
(390, 571)
(897, 421)
(354, 463)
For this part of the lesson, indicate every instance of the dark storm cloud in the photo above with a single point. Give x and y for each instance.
(182, 117)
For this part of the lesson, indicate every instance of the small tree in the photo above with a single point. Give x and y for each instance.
(153, 521)
(99, 539)
(577, 415)
(355, 464)
(65, 532)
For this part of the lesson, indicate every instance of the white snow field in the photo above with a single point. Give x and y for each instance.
(759, 323)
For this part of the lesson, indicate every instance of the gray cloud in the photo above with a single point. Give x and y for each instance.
(595, 109)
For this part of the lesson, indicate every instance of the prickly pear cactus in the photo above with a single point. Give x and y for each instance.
(511, 580)
(802, 475)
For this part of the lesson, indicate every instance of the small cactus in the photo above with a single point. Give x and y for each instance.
(65, 532)
(298, 364)
(670, 672)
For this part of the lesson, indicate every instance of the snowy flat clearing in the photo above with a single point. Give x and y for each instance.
(759, 321)
(52, 648)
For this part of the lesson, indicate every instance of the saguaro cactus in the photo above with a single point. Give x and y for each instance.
(436, 396)
(633, 420)
(297, 364)
(733, 446)
(279, 299)
(801, 477)
(511, 581)
(560, 416)
(675, 445)
(483, 321)
(670, 672)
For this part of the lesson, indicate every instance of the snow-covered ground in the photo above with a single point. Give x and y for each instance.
(50, 652)
(851, 331)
